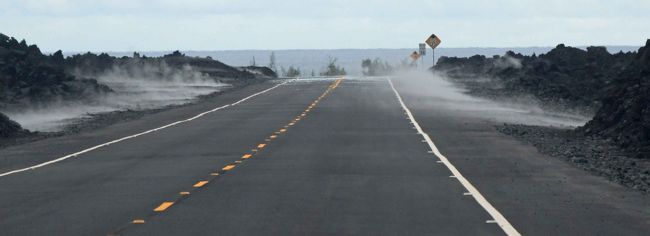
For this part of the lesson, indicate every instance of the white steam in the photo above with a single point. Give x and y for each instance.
(507, 62)
(434, 91)
(136, 86)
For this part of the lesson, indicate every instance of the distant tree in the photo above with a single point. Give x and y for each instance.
(293, 72)
(366, 65)
(272, 64)
(332, 69)
(375, 67)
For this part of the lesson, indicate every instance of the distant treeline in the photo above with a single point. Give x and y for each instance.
(331, 69)
(378, 67)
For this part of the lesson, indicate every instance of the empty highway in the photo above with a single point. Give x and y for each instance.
(341, 156)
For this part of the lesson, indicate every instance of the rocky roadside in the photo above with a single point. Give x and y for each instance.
(597, 155)
(614, 89)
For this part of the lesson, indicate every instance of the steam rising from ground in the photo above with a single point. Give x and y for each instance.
(137, 86)
(507, 62)
(435, 91)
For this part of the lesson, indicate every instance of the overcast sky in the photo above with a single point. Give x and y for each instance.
(145, 25)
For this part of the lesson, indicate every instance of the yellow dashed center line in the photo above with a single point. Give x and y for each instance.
(228, 167)
(163, 206)
(137, 221)
(200, 184)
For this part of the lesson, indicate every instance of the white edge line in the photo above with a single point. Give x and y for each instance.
(139, 134)
(496, 215)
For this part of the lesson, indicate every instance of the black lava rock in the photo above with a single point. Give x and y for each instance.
(625, 112)
(8, 127)
(616, 87)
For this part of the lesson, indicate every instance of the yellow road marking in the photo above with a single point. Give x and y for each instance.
(163, 206)
(137, 221)
(200, 183)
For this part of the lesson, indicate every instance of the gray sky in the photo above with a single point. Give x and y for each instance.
(144, 25)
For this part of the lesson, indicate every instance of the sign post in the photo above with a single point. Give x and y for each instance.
(433, 41)
(423, 51)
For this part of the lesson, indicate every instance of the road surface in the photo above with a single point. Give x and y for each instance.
(306, 157)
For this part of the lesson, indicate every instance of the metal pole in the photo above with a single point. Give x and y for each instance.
(433, 55)
(422, 62)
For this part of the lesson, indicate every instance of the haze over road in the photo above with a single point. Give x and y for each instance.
(306, 157)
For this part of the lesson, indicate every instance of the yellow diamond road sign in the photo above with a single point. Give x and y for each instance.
(415, 56)
(433, 41)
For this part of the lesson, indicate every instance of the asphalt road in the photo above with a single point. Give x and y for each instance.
(309, 157)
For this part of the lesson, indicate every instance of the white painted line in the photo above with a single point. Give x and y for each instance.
(139, 134)
(498, 217)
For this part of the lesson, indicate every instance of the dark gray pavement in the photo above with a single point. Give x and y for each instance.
(353, 165)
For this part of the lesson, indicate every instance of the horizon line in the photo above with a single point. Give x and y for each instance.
(325, 49)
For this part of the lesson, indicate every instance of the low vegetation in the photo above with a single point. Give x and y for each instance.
(332, 69)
